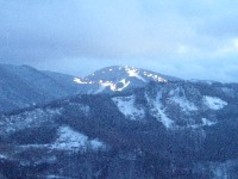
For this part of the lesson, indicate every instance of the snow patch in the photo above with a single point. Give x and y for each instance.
(84, 108)
(181, 100)
(229, 91)
(72, 140)
(55, 177)
(184, 104)
(133, 72)
(81, 81)
(158, 78)
(96, 144)
(158, 111)
(126, 105)
(27, 119)
(3, 157)
(154, 77)
(109, 84)
(214, 103)
(207, 122)
(112, 86)
(221, 170)
(125, 84)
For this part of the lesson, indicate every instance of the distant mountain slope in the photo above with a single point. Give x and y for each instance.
(23, 86)
(65, 81)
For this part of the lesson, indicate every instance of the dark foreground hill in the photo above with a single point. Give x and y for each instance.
(170, 129)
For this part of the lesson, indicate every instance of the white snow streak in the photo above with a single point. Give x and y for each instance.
(158, 111)
(125, 84)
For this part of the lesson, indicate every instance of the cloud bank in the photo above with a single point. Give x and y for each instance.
(189, 39)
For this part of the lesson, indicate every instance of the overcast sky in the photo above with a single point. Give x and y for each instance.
(189, 39)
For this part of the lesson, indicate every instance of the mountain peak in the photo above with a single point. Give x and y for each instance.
(127, 72)
(118, 78)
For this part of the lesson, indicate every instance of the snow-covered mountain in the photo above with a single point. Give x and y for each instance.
(161, 129)
(120, 78)
(24, 86)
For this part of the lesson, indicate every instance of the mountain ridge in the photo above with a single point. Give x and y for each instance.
(171, 125)
(155, 128)
(118, 78)
(22, 86)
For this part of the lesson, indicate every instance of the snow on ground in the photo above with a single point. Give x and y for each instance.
(220, 170)
(126, 105)
(133, 72)
(154, 77)
(27, 119)
(3, 156)
(158, 78)
(184, 104)
(109, 84)
(145, 76)
(80, 81)
(229, 91)
(125, 84)
(158, 111)
(181, 100)
(214, 103)
(69, 139)
(207, 122)
(84, 108)
(113, 86)
(55, 177)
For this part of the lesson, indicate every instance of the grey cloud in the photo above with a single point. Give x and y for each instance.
(171, 36)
